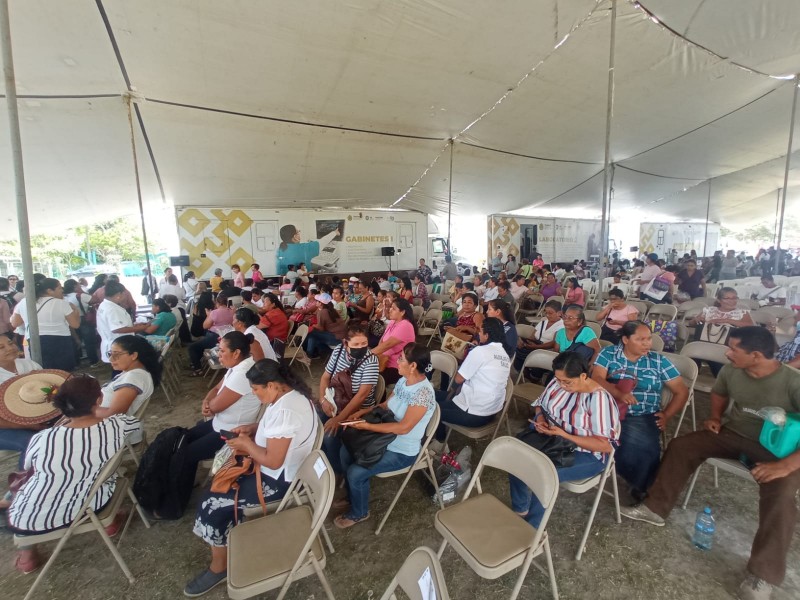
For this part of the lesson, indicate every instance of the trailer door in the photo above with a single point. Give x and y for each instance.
(406, 256)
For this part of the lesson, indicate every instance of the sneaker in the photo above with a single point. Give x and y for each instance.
(753, 588)
(641, 513)
(203, 583)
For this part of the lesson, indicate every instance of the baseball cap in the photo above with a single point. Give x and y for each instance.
(324, 298)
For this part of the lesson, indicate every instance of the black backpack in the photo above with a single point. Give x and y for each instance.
(9, 298)
(163, 482)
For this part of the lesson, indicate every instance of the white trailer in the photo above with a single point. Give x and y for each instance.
(327, 241)
(676, 239)
(556, 239)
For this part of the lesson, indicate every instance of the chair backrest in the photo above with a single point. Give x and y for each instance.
(319, 435)
(747, 304)
(435, 304)
(640, 306)
(417, 302)
(779, 312)
(410, 577)
(605, 344)
(526, 331)
(595, 327)
(418, 312)
(432, 317)
(691, 304)
(315, 477)
(664, 312)
(279, 346)
(235, 301)
(444, 362)
(380, 389)
(625, 288)
(559, 299)
(706, 351)
(686, 367)
(657, 344)
(538, 359)
(591, 315)
(301, 332)
(762, 317)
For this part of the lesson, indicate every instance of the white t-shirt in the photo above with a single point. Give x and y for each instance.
(84, 302)
(547, 334)
(23, 365)
(301, 303)
(245, 409)
(138, 379)
(52, 316)
(178, 316)
(291, 416)
(110, 317)
(485, 370)
(263, 341)
(491, 293)
(774, 293)
(175, 290)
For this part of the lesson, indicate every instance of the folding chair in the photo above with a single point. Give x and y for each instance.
(708, 352)
(444, 362)
(295, 348)
(493, 427)
(599, 481)
(212, 360)
(436, 304)
(411, 575)
(688, 370)
(595, 327)
(663, 312)
(380, 389)
(429, 324)
(526, 332)
(418, 312)
(538, 359)
(422, 463)
(656, 343)
(139, 414)
(490, 537)
(87, 520)
(640, 306)
(293, 549)
(590, 315)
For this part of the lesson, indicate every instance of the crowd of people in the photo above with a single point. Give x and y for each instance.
(602, 396)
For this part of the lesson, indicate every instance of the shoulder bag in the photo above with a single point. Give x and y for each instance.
(580, 348)
(559, 450)
(715, 333)
(227, 479)
(454, 345)
(368, 447)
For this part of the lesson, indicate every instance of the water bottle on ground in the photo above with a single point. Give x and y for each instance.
(704, 528)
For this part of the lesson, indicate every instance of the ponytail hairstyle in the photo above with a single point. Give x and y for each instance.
(504, 308)
(286, 234)
(419, 355)
(246, 316)
(77, 396)
(273, 299)
(236, 340)
(46, 285)
(146, 354)
(267, 371)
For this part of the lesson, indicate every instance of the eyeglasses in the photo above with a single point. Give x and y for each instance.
(571, 318)
(729, 298)
(115, 355)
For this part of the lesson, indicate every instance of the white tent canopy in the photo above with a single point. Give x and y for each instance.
(352, 104)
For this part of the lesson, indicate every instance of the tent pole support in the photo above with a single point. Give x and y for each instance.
(139, 192)
(19, 183)
(604, 227)
(795, 83)
(708, 214)
(450, 199)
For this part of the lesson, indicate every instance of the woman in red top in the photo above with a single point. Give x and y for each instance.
(469, 320)
(274, 321)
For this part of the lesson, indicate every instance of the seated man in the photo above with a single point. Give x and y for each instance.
(770, 293)
(753, 380)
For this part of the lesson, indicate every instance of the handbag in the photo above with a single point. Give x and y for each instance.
(376, 327)
(626, 386)
(580, 348)
(368, 447)
(454, 345)
(714, 333)
(342, 383)
(667, 331)
(227, 479)
(559, 450)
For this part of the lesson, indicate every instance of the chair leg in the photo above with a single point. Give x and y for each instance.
(435, 485)
(47, 566)
(395, 499)
(523, 570)
(114, 551)
(592, 513)
(322, 579)
(139, 508)
(691, 487)
(694, 415)
(132, 452)
(550, 570)
(441, 548)
(716, 477)
(615, 487)
(327, 539)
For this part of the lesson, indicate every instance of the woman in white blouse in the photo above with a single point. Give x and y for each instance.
(55, 316)
(544, 337)
(279, 443)
(246, 321)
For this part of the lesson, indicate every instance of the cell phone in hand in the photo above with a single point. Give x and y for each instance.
(227, 435)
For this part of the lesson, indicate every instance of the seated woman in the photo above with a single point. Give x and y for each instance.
(164, 321)
(482, 377)
(574, 292)
(400, 330)
(614, 315)
(339, 302)
(65, 462)
(789, 353)
(575, 331)
(278, 443)
(544, 334)
(353, 356)
(579, 410)
(691, 282)
(246, 321)
(228, 404)
(420, 290)
(412, 403)
(640, 442)
(274, 321)
(204, 300)
(501, 310)
(329, 330)
(724, 312)
(216, 321)
(469, 320)
(550, 287)
(406, 290)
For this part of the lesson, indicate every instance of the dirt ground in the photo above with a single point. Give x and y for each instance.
(628, 560)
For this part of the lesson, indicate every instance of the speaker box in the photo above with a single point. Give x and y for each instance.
(179, 261)
(387, 251)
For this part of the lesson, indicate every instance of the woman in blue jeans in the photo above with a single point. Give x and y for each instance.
(412, 403)
(578, 409)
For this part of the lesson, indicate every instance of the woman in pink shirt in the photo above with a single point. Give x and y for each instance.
(218, 322)
(400, 330)
(574, 293)
(238, 276)
(255, 273)
(616, 313)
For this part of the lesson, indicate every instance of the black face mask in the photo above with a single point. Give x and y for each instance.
(358, 353)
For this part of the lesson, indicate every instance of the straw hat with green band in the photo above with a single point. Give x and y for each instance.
(27, 399)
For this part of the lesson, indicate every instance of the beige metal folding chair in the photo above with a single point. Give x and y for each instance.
(688, 370)
(418, 312)
(380, 389)
(444, 362)
(429, 324)
(708, 352)
(294, 351)
(538, 359)
(656, 343)
(493, 427)
(663, 312)
(273, 551)
(436, 303)
(590, 315)
(87, 520)
(599, 481)
(422, 463)
(525, 331)
(595, 327)
(422, 567)
(490, 537)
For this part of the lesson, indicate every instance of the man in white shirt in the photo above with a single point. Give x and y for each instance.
(480, 289)
(559, 273)
(770, 293)
(165, 279)
(491, 292)
(113, 320)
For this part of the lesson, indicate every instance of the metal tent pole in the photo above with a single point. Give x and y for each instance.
(150, 274)
(609, 116)
(795, 83)
(450, 199)
(705, 237)
(19, 183)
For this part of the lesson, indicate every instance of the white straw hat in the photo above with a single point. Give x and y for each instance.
(27, 399)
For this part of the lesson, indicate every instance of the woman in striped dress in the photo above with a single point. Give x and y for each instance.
(578, 409)
(65, 461)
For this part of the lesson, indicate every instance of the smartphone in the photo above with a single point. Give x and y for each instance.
(227, 435)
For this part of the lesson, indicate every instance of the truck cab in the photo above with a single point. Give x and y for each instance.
(437, 250)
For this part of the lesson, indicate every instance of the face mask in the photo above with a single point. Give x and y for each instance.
(358, 353)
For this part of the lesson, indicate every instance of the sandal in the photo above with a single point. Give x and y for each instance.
(26, 567)
(196, 373)
(344, 521)
(116, 524)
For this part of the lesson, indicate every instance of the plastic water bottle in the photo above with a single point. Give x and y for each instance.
(704, 528)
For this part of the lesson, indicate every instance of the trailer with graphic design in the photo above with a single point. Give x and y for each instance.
(327, 241)
(672, 240)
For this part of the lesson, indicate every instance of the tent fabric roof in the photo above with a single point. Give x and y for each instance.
(352, 104)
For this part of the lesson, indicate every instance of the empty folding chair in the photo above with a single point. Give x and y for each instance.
(446, 363)
(429, 324)
(688, 370)
(709, 352)
(662, 312)
(538, 359)
(421, 568)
